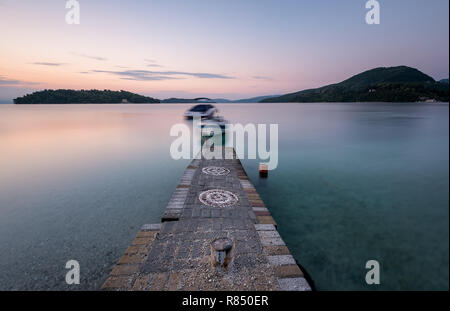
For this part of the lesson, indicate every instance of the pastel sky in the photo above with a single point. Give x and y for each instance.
(220, 49)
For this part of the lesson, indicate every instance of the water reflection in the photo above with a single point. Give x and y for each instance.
(354, 182)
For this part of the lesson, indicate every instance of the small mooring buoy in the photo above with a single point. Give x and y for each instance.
(263, 170)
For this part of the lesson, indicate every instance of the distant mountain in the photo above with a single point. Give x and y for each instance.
(187, 100)
(253, 99)
(176, 100)
(444, 81)
(384, 84)
(221, 100)
(83, 97)
(216, 100)
(245, 100)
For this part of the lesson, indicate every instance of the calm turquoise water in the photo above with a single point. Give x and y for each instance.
(355, 182)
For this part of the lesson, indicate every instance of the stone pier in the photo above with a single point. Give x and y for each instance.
(216, 234)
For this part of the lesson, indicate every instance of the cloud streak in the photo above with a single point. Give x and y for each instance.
(262, 78)
(90, 56)
(151, 63)
(4, 81)
(48, 64)
(7, 82)
(148, 75)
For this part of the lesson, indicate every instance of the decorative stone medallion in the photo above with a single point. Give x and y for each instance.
(215, 170)
(218, 198)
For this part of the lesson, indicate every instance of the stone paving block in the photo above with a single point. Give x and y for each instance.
(197, 249)
(141, 283)
(250, 191)
(178, 199)
(217, 226)
(117, 283)
(182, 186)
(272, 241)
(146, 234)
(178, 204)
(260, 209)
(225, 284)
(137, 249)
(158, 281)
(215, 213)
(143, 241)
(281, 260)
(180, 193)
(168, 227)
(294, 284)
(175, 205)
(186, 213)
(276, 250)
(196, 212)
(262, 213)
(269, 234)
(252, 216)
(122, 270)
(191, 281)
(247, 260)
(183, 250)
(175, 282)
(208, 284)
(266, 220)
(254, 197)
(151, 227)
(265, 227)
(288, 271)
(206, 213)
(261, 281)
(131, 259)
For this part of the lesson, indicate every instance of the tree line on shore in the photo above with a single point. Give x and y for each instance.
(83, 97)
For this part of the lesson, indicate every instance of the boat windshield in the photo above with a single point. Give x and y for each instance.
(201, 108)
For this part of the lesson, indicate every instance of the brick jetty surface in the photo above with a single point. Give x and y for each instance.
(177, 254)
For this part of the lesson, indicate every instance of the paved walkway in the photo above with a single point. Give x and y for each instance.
(214, 199)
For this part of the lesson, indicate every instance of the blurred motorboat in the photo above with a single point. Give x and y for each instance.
(201, 111)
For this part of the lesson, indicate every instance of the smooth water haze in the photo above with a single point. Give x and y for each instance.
(355, 182)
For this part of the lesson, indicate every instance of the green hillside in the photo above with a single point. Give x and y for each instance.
(384, 84)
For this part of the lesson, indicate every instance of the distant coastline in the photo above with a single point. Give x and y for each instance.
(384, 84)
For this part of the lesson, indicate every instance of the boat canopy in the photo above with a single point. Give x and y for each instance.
(201, 108)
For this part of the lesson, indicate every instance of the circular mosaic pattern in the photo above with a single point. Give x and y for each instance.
(218, 198)
(215, 170)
